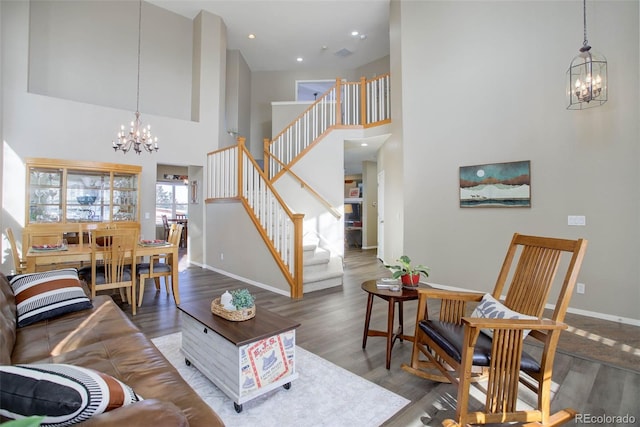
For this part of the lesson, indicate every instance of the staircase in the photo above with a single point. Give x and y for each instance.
(306, 262)
(321, 269)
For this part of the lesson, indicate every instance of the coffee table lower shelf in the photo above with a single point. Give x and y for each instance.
(242, 372)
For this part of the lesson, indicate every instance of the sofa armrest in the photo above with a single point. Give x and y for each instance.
(150, 412)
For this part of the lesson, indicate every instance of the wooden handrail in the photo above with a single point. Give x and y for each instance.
(361, 104)
(335, 212)
(258, 196)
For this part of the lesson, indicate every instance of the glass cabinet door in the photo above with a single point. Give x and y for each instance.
(125, 197)
(66, 191)
(88, 196)
(45, 203)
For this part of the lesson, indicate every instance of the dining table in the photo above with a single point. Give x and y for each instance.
(73, 253)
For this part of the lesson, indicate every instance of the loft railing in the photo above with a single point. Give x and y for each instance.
(234, 174)
(360, 104)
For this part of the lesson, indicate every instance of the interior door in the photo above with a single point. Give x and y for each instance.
(381, 215)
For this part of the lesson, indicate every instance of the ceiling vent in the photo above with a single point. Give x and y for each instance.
(343, 52)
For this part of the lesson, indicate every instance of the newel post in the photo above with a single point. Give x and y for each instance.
(266, 158)
(338, 101)
(297, 290)
(241, 140)
(363, 101)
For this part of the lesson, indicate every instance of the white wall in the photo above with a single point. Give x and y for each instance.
(36, 125)
(374, 69)
(235, 248)
(390, 156)
(238, 98)
(87, 52)
(484, 82)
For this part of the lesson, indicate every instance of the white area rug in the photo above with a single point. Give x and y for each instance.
(323, 395)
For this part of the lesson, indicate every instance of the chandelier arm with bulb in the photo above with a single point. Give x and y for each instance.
(138, 137)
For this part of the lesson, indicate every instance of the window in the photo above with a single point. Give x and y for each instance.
(310, 90)
(171, 199)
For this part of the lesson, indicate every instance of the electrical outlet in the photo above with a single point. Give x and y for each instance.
(221, 256)
(580, 288)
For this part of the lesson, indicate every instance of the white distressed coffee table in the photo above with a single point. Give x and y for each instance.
(243, 359)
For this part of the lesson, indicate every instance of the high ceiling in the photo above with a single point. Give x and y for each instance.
(319, 31)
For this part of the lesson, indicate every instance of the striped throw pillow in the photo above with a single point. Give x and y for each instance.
(48, 294)
(63, 394)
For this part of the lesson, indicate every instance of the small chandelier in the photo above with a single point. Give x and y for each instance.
(138, 137)
(587, 75)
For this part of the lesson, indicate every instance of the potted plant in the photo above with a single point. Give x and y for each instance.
(236, 305)
(241, 298)
(408, 274)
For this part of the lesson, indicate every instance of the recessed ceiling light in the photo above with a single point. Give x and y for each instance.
(364, 144)
(252, 36)
(354, 33)
(299, 59)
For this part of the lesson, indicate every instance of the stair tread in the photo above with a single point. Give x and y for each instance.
(319, 256)
(334, 269)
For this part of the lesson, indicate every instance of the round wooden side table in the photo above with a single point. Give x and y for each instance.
(392, 297)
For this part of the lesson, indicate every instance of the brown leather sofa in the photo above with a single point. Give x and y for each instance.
(103, 338)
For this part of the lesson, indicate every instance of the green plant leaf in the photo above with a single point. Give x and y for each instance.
(241, 298)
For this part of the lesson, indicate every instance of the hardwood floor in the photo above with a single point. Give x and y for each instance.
(332, 326)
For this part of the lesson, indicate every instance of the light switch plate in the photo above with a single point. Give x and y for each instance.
(576, 220)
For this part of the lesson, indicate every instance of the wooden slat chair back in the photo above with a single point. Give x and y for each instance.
(159, 266)
(166, 227)
(113, 266)
(19, 264)
(51, 234)
(500, 359)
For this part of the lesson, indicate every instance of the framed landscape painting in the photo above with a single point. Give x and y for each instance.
(498, 185)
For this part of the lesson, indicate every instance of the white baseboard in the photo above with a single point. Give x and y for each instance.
(604, 316)
(249, 281)
(587, 313)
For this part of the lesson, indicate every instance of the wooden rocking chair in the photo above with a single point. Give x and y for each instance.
(457, 351)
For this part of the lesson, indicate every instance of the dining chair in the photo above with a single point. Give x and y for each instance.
(487, 344)
(113, 254)
(19, 264)
(51, 234)
(167, 227)
(159, 266)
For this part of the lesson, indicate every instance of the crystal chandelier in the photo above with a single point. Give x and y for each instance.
(586, 76)
(138, 137)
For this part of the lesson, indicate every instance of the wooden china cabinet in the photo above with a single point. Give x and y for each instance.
(72, 192)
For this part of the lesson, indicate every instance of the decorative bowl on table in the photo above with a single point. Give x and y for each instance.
(86, 200)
